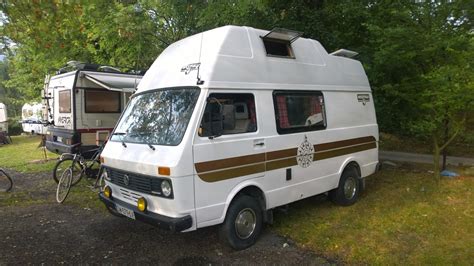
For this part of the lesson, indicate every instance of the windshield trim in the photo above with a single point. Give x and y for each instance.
(151, 91)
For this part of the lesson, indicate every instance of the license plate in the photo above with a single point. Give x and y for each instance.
(125, 212)
(60, 139)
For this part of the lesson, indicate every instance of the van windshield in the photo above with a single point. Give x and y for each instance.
(158, 117)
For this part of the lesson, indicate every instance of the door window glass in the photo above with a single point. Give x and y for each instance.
(231, 113)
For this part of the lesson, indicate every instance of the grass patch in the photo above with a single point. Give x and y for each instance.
(390, 142)
(24, 155)
(403, 218)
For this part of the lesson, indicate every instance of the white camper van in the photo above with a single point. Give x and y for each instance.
(3, 118)
(84, 105)
(231, 123)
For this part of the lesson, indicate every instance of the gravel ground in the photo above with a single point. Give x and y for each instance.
(49, 233)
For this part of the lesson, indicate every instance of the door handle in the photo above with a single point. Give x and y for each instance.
(259, 144)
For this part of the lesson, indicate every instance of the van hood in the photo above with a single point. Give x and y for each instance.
(139, 158)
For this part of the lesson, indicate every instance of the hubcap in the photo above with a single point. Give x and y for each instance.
(350, 187)
(245, 223)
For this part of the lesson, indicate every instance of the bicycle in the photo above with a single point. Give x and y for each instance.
(6, 182)
(79, 167)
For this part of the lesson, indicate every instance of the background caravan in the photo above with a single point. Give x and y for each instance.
(231, 123)
(3, 118)
(84, 105)
(32, 118)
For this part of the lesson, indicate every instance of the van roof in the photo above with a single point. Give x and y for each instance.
(235, 57)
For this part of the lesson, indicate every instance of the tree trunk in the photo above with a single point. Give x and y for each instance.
(436, 154)
(446, 139)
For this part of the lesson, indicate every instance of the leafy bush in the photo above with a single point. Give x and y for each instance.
(14, 126)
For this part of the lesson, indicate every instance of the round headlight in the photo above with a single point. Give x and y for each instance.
(166, 188)
(107, 192)
(141, 204)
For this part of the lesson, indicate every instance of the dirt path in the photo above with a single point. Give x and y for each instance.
(45, 232)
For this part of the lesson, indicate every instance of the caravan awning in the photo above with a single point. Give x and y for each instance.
(113, 82)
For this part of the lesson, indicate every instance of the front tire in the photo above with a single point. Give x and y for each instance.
(243, 223)
(348, 190)
(64, 185)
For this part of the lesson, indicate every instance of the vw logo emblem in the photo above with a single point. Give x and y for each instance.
(126, 180)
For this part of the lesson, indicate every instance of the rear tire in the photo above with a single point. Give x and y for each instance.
(64, 164)
(349, 187)
(64, 185)
(243, 223)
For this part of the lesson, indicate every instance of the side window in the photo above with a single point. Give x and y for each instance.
(299, 111)
(98, 101)
(65, 101)
(229, 113)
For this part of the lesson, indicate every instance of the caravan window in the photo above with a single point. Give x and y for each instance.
(299, 111)
(101, 101)
(65, 101)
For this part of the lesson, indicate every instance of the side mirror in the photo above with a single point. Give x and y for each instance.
(215, 117)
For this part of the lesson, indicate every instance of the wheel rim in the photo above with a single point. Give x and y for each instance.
(350, 187)
(245, 223)
(64, 185)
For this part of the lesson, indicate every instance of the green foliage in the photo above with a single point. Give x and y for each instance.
(14, 126)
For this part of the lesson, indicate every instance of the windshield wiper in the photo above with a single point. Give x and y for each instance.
(123, 134)
(151, 146)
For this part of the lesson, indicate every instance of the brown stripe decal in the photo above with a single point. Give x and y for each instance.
(223, 169)
(229, 162)
(342, 143)
(281, 154)
(231, 173)
(281, 163)
(343, 151)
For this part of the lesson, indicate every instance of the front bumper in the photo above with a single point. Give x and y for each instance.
(164, 222)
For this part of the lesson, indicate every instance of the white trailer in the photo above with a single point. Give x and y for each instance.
(32, 119)
(231, 123)
(83, 106)
(3, 118)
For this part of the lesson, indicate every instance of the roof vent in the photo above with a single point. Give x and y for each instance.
(344, 53)
(278, 42)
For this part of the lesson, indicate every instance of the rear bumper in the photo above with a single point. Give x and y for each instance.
(161, 221)
(60, 148)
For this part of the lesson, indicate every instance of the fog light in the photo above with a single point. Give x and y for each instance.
(107, 192)
(166, 188)
(141, 204)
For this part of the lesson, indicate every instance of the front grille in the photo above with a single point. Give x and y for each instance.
(136, 182)
(130, 195)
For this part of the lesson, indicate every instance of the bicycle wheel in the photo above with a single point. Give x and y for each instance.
(64, 185)
(65, 164)
(6, 183)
